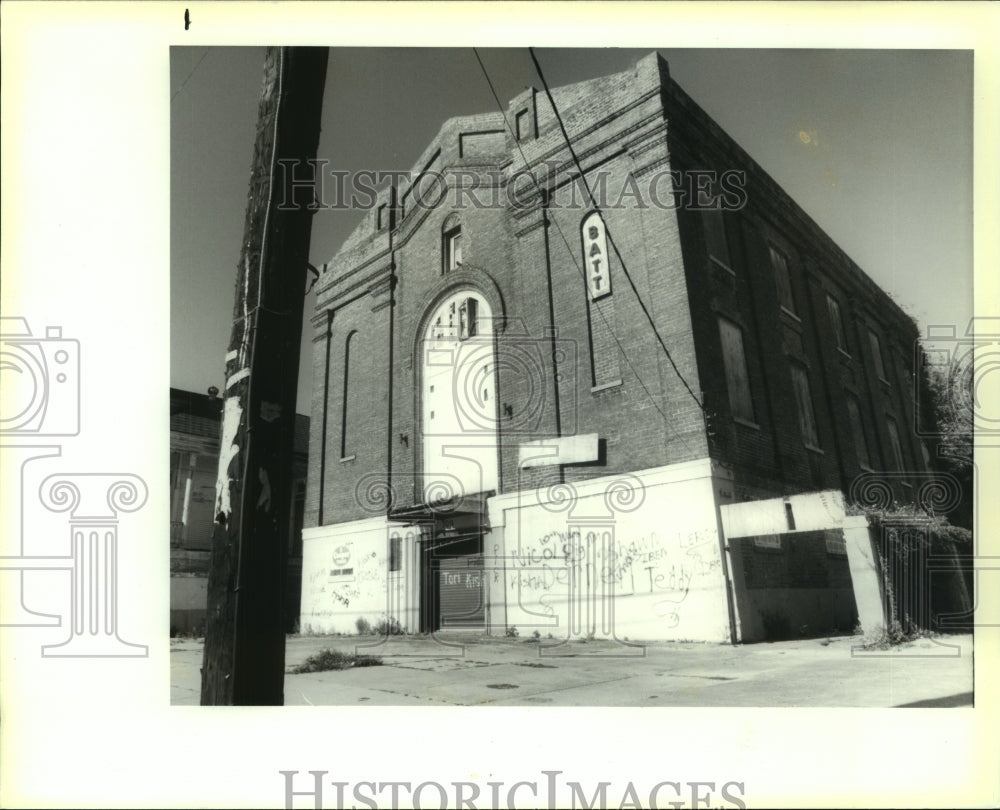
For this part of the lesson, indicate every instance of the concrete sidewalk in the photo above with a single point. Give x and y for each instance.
(460, 669)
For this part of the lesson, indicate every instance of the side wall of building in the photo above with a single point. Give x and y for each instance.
(792, 332)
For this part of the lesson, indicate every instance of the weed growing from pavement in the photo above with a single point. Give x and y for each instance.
(326, 660)
(388, 626)
(894, 636)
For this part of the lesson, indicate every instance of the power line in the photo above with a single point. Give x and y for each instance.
(572, 256)
(607, 230)
(569, 250)
(184, 83)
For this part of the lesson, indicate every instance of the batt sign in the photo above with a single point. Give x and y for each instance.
(595, 256)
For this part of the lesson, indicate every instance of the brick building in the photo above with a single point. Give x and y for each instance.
(638, 421)
(195, 423)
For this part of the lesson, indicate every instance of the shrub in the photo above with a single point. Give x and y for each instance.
(326, 660)
(511, 631)
(388, 626)
(363, 625)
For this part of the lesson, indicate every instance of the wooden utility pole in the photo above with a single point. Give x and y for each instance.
(244, 659)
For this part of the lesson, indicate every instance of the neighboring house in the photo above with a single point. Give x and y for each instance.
(195, 421)
(639, 423)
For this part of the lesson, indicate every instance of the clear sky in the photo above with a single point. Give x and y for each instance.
(875, 145)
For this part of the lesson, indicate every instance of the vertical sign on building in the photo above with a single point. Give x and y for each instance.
(595, 256)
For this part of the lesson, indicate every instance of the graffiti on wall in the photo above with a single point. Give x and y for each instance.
(667, 566)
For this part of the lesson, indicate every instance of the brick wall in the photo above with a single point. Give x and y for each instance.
(771, 456)
(527, 261)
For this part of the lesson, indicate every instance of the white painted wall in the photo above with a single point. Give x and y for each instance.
(812, 511)
(645, 567)
(345, 576)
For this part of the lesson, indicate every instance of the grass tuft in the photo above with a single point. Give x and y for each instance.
(326, 660)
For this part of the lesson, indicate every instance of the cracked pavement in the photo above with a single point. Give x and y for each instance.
(464, 669)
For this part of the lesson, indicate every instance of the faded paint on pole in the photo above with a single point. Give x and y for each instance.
(244, 636)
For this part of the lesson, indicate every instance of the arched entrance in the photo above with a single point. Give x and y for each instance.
(458, 398)
(459, 457)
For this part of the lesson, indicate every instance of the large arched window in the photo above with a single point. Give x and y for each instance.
(458, 396)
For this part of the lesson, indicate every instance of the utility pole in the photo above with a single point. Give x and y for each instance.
(244, 661)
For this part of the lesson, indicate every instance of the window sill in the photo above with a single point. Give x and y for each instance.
(866, 468)
(347, 459)
(613, 384)
(739, 420)
(844, 355)
(722, 265)
(790, 314)
(813, 448)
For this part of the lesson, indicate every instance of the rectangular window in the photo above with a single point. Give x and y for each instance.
(453, 249)
(897, 448)
(468, 321)
(782, 279)
(521, 121)
(715, 237)
(837, 322)
(772, 541)
(737, 379)
(877, 355)
(858, 431)
(803, 399)
(835, 543)
(395, 558)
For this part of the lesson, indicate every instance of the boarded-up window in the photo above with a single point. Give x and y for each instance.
(897, 448)
(737, 379)
(877, 355)
(781, 278)
(836, 322)
(835, 543)
(858, 431)
(715, 237)
(803, 401)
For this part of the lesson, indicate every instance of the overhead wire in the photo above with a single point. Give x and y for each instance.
(572, 254)
(607, 230)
